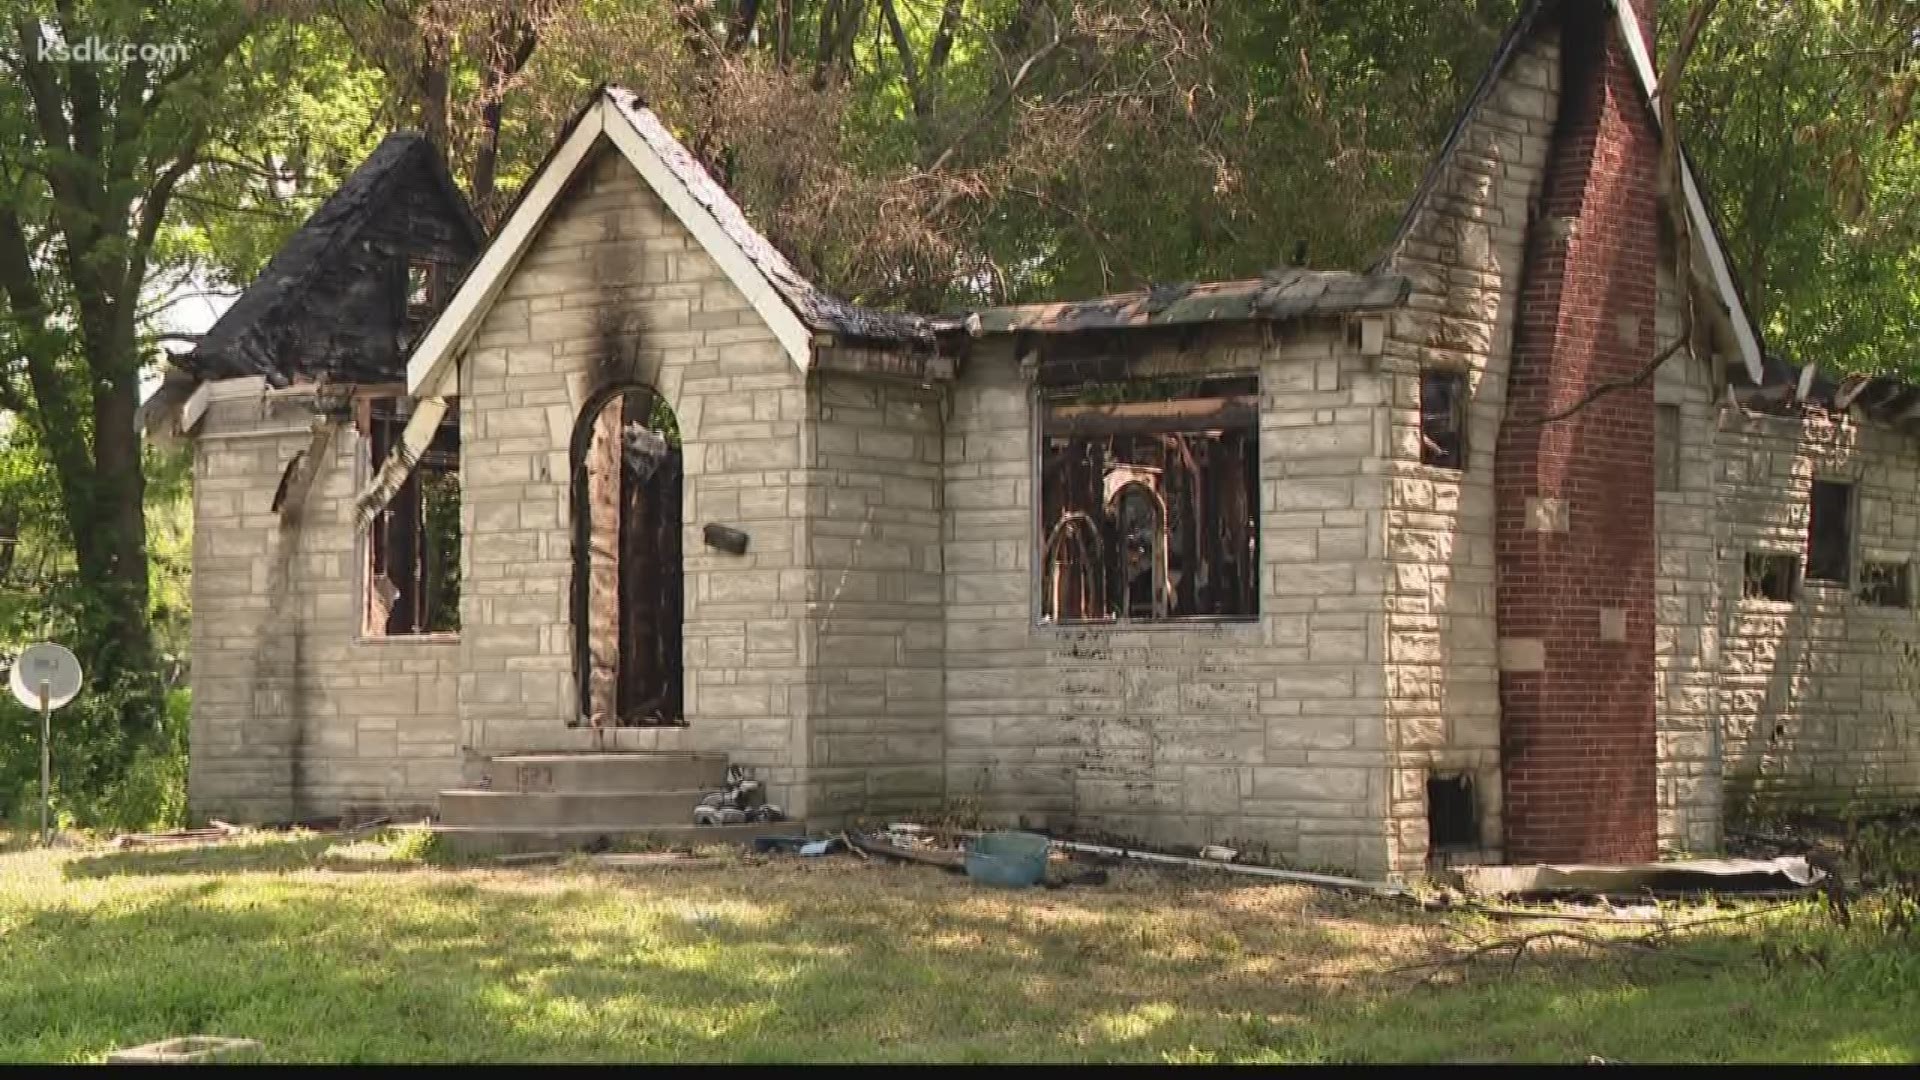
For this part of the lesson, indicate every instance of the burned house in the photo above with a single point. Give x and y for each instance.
(1307, 564)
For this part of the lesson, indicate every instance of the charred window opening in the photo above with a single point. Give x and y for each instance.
(1149, 501)
(1453, 815)
(1830, 532)
(1886, 584)
(423, 289)
(1443, 419)
(1770, 577)
(1666, 447)
(413, 550)
(627, 582)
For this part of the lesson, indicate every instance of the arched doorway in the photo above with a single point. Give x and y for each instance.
(626, 483)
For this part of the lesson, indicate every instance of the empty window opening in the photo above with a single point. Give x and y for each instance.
(1149, 501)
(423, 287)
(627, 583)
(1770, 576)
(413, 549)
(1886, 584)
(1666, 447)
(1830, 532)
(1453, 814)
(1443, 419)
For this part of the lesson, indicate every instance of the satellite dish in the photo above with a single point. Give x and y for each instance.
(49, 664)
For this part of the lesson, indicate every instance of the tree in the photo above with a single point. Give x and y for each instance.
(1801, 116)
(928, 153)
(111, 110)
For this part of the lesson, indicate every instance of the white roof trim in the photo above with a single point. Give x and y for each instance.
(1696, 206)
(196, 407)
(430, 371)
(448, 335)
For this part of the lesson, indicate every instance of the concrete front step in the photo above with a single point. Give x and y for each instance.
(609, 772)
(508, 840)
(529, 809)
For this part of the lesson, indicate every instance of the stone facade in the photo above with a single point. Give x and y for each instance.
(1268, 734)
(296, 713)
(876, 686)
(1816, 696)
(1464, 252)
(878, 647)
(614, 290)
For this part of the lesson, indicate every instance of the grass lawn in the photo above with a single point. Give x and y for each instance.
(360, 952)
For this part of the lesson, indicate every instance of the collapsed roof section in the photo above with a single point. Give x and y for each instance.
(265, 332)
(1280, 295)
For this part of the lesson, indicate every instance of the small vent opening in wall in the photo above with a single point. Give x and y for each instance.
(1453, 817)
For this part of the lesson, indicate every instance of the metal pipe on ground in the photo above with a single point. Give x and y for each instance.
(1298, 877)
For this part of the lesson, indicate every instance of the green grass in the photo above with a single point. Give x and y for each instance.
(366, 952)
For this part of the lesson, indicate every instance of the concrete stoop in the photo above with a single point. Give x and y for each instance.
(590, 801)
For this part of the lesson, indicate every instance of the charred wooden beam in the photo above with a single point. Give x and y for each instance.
(1850, 390)
(1153, 417)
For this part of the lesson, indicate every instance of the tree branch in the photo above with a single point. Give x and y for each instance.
(909, 66)
(153, 210)
(1000, 104)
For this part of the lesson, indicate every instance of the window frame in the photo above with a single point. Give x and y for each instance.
(1848, 540)
(1794, 576)
(366, 632)
(1905, 568)
(1666, 451)
(1462, 452)
(1038, 401)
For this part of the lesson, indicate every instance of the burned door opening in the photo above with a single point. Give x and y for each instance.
(627, 580)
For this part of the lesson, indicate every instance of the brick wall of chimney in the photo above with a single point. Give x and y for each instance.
(1575, 592)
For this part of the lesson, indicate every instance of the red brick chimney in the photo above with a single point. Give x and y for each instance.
(1574, 528)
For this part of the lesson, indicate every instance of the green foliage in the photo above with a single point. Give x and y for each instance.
(1800, 117)
(334, 951)
(107, 773)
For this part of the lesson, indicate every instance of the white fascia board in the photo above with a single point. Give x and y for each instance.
(1696, 206)
(428, 370)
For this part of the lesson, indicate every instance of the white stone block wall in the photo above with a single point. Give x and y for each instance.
(877, 635)
(1688, 603)
(1266, 735)
(296, 714)
(1464, 253)
(613, 278)
(1817, 704)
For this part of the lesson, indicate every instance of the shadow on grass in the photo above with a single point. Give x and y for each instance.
(784, 964)
(274, 854)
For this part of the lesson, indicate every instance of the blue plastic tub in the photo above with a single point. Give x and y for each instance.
(1015, 860)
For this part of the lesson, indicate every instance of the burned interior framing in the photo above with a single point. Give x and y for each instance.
(1149, 505)
(627, 581)
(413, 545)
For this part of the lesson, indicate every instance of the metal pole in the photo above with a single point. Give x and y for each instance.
(46, 760)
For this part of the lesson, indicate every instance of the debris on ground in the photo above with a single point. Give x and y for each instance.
(614, 860)
(1787, 875)
(1297, 877)
(186, 1050)
(642, 860)
(947, 848)
(740, 802)
(213, 833)
(908, 847)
